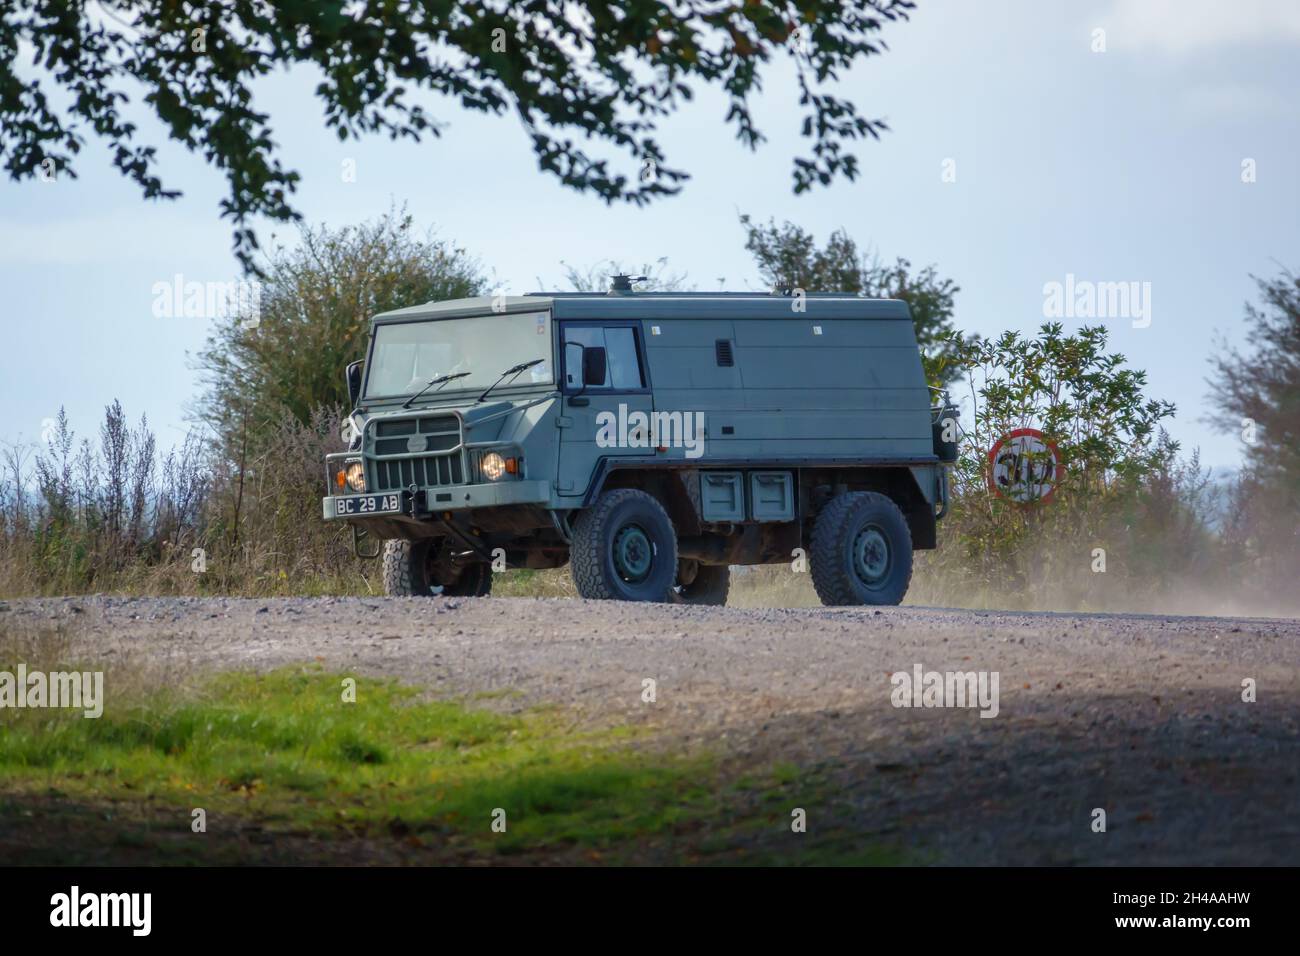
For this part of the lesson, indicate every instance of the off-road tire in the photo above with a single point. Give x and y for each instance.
(849, 526)
(592, 553)
(407, 573)
(710, 586)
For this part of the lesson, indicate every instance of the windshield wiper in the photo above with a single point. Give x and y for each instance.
(515, 370)
(439, 381)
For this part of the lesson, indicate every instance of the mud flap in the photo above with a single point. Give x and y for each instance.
(362, 540)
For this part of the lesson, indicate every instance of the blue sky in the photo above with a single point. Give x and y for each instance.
(1123, 165)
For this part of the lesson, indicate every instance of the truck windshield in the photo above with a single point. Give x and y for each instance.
(408, 355)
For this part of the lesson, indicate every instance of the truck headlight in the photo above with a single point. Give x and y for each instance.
(356, 476)
(493, 466)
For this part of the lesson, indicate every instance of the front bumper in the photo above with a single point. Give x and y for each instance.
(462, 498)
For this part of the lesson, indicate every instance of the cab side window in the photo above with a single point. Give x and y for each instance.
(620, 354)
(622, 363)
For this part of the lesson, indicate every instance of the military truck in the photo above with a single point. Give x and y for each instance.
(649, 440)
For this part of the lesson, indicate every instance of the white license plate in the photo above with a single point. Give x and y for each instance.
(368, 505)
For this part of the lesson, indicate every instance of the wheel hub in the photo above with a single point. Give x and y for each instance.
(871, 556)
(633, 554)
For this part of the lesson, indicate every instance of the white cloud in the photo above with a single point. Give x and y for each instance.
(1184, 27)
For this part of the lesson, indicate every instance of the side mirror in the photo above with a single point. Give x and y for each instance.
(593, 366)
(354, 383)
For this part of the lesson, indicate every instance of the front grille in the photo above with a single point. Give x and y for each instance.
(417, 465)
(431, 470)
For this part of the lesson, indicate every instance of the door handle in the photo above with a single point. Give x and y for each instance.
(579, 401)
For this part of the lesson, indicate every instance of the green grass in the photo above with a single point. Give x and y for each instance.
(282, 751)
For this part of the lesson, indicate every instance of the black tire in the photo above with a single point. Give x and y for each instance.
(624, 548)
(861, 551)
(708, 584)
(410, 570)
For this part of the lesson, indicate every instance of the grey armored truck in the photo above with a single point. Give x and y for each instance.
(649, 440)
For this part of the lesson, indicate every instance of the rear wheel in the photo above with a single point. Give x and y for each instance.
(701, 583)
(624, 548)
(861, 551)
(427, 567)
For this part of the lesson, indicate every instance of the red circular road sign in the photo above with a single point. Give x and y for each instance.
(1025, 467)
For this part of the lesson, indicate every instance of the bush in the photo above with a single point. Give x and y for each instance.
(114, 516)
(1257, 396)
(1128, 523)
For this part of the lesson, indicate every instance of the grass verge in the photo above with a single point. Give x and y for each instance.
(285, 769)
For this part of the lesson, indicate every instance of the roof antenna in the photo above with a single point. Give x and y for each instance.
(622, 284)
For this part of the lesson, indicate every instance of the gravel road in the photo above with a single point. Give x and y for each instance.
(1140, 715)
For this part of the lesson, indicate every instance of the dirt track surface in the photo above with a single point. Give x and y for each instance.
(1140, 715)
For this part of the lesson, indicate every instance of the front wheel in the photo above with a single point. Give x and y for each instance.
(861, 551)
(624, 548)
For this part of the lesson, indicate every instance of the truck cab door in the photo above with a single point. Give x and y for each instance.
(602, 419)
